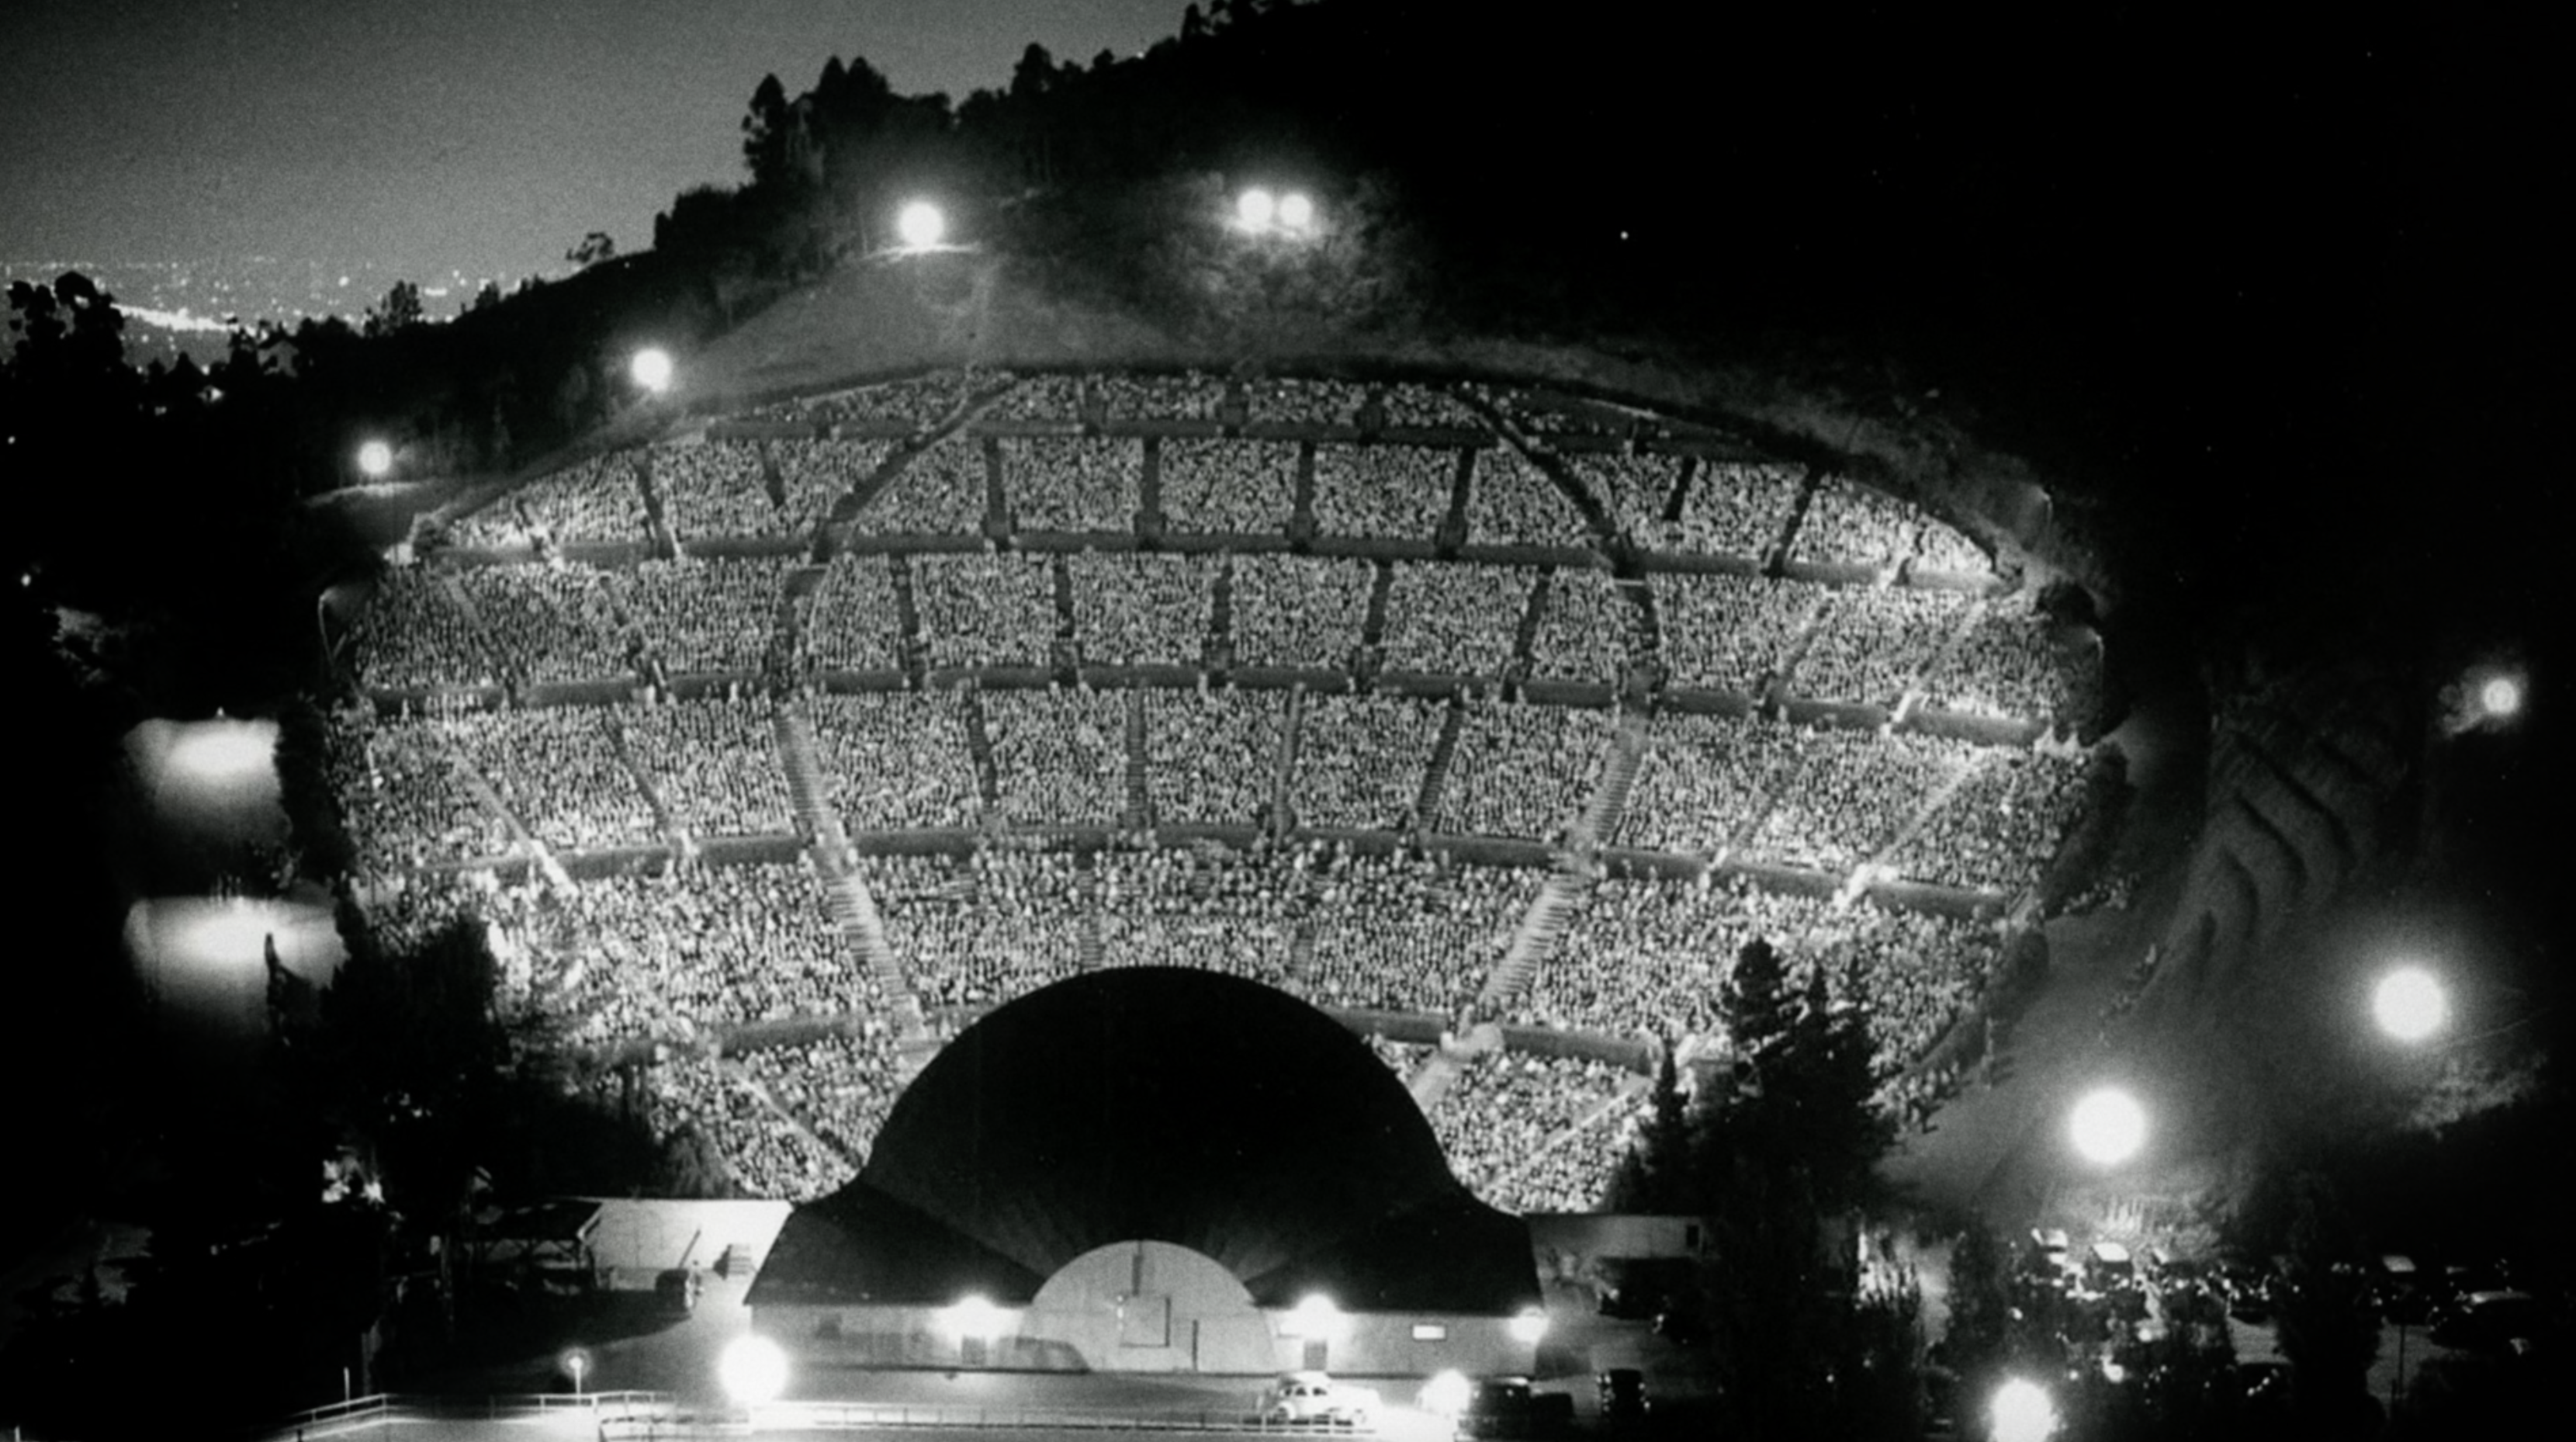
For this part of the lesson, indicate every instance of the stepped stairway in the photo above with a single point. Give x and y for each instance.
(1630, 1094)
(854, 909)
(1283, 781)
(1091, 947)
(1140, 796)
(1868, 866)
(979, 745)
(1216, 648)
(1920, 685)
(1435, 775)
(664, 820)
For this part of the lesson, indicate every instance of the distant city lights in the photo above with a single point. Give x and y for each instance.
(920, 225)
(2108, 1127)
(2410, 1004)
(652, 369)
(375, 460)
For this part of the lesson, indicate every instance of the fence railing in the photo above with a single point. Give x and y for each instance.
(681, 1425)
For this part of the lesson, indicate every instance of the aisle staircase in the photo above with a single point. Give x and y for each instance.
(1140, 796)
(854, 909)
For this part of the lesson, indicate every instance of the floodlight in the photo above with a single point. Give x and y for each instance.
(2500, 697)
(2410, 1004)
(971, 1317)
(2108, 1126)
(375, 458)
(920, 225)
(652, 369)
(1445, 1395)
(754, 1370)
(1315, 1318)
(576, 1364)
(1529, 1327)
(1296, 212)
(1255, 209)
(2022, 1412)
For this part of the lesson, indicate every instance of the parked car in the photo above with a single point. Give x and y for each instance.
(1509, 1408)
(2498, 1322)
(1623, 1397)
(1314, 1397)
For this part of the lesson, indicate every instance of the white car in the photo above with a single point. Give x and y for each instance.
(1314, 1397)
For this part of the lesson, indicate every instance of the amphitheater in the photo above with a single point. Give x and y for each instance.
(1491, 719)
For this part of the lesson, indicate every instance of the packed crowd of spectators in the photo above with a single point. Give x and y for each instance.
(1704, 780)
(550, 622)
(1057, 483)
(1188, 395)
(713, 763)
(402, 799)
(1633, 490)
(1727, 633)
(1238, 488)
(1852, 794)
(1531, 1133)
(1944, 548)
(1141, 607)
(1200, 906)
(1454, 620)
(896, 760)
(1849, 522)
(1422, 406)
(922, 401)
(713, 489)
(1059, 755)
(1213, 754)
(707, 616)
(1872, 642)
(416, 630)
(1327, 402)
(980, 931)
(764, 1151)
(1039, 398)
(840, 1087)
(599, 499)
(1912, 973)
(1377, 491)
(814, 475)
(1587, 630)
(559, 770)
(1407, 932)
(939, 492)
(2000, 828)
(1732, 508)
(2005, 665)
(1644, 957)
(707, 947)
(1524, 771)
(1297, 610)
(854, 623)
(1361, 759)
(1510, 501)
(985, 608)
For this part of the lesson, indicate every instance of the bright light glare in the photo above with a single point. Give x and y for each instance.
(1530, 1327)
(652, 369)
(375, 458)
(754, 1370)
(1315, 1318)
(2410, 1004)
(2500, 696)
(1255, 209)
(1445, 1395)
(2109, 1126)
(971, 1317)
(221, 755)
(2022, 1412)
(1296, 212)
(921, 225)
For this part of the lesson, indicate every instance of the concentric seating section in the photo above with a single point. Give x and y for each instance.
(1531, 1133)
(707, 617)
(815, 475)
(1587, 630)
(1916, 971)
(1382, 492)
(1947, 550)
(1704, 781)
(1412, 934)
(1361, 759)
(550, 623)
(977, 933)
(713, 763)
(1200, 906)
(1236, 488)
(1454, 620)
(1298, 611)
(1524, 771)
(920, 402)
(854, 624)
(1728, 633)
(839, 1088)
(1732, 508)
(1039, 398)
(560, 772)
(763, 1153)
(938, 492)
(1316, 402)
(1854, 793)
(402, 799)
(2004, 666)
(1512, 502)
(1141, 608)
(1067, 484)
(1872, 643)
(1852, 524)
(897, 760)
(1641, 958)
(1633, 490)
(2002, 827)
(1191, 396)
(595, 500)
(715, 489)
(1213, 755)
(988, 609)
(1426, 407)
(1059, 755)
(418, 630)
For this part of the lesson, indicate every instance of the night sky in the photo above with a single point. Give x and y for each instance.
(427, 136)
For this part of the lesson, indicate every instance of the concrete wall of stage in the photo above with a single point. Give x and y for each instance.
(1145, 1306)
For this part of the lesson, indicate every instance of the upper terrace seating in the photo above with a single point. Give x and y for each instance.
(1138, 608)
(1454, 620)
(1382, 491)
(1213, 755)
(985, 609)
(1523, 771)
(1732, 509)
(1360, 760)
(897, 760)
(1304, 611)
(1512, 502)
(1066, 484)
(1228, 487)
(714, 489)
